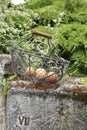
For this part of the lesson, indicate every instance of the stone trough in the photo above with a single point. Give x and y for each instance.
(63, 108)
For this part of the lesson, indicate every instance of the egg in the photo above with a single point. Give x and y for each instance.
(41, 73)
(30, 71)
(52, 77)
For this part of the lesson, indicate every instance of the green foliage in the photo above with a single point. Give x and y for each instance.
(84, 82)
(37, 4)
(4, 84)
(74, 5)
(14, 24)
(79, 17)
(47, 17)
(12, 77)
(75, 11)
(72, 36)
(72, 42)
(66, 20)
(5, 87)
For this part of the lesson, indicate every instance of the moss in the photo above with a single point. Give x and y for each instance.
(84, 82)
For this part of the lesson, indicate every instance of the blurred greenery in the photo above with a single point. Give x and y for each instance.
(66, 20)
(84, 82)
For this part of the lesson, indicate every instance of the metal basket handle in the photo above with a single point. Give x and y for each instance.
(34, 32)
(48, 36)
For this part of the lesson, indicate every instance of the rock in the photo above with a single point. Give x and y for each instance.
(5, 65)
(2, 113)
(35, 109)
(4, 59)
(8, 68)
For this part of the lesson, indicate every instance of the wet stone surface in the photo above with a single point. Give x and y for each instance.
(62, 108)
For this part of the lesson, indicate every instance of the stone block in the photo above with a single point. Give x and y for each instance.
(52, 109)
(4, 59)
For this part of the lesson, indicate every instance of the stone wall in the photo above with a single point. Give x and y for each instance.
(4, 59)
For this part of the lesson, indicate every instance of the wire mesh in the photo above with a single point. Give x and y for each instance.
(35, 66)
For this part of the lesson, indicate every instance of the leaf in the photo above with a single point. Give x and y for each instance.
(5, 87)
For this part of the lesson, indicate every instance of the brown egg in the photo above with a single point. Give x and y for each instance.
(41, 73)
(30, 71)
(52, 77)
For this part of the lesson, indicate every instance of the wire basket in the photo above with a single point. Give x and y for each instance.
(37, 67)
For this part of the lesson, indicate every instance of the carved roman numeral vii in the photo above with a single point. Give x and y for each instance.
(24, 120)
